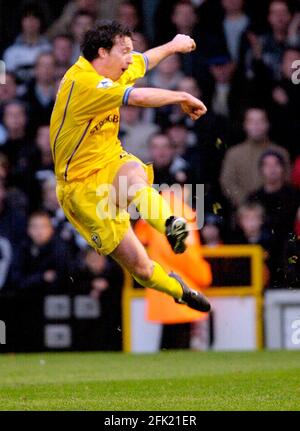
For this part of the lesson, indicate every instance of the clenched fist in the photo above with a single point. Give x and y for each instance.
(183, 43)
(193, 107)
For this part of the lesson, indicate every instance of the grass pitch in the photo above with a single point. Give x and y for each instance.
(166, 381)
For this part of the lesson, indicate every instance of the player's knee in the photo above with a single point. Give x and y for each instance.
(137, 175)
(144, 271)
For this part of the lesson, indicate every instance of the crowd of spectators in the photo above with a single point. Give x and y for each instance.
(246, 150)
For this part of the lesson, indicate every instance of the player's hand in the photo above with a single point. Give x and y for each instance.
(193, 107)
(183, 43)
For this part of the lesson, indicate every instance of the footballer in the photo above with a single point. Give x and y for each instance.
(88, 156)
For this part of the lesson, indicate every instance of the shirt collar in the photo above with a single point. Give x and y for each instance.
(84, 64)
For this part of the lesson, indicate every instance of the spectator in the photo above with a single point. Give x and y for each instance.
(102, 278)
(40, 94)
(167, 74)
(135, 132)
(285, 104)
(63, 229)
(235, 23)
(250, 226)
(267, 50)
(189, 85)
(211, 232)
(17, 146)
(43, 261)
(99, 9)
(12, 218)
(211, 133)
(184, 19)
(63, 53)
(281, 202)
(184, 143)
(8, 91)
(128, 15)
(82, 22)
(15, 197)
(5, 261)
(4, 169)
(140, 43)
(240, 174)
(42, 162)
(251, 229)
(162, 156)
(14, 122)
(21, 56)
(296, 173)
(49, 199)
(222, 99)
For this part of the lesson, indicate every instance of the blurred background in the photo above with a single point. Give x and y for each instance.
(55, 292)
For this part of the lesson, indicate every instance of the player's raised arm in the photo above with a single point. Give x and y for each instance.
(156, 97)
(180, 44)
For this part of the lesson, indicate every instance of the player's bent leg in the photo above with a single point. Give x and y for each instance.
(151, 205)
(148, 201)
(131, 255)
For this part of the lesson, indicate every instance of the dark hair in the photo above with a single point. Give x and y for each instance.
(257, 107)
(285, 2)
(67, 36)
(32, 9)
(39, 213)
(272, 153)
(17, 102)
(83, 12)
(102, 36)
(292, 47)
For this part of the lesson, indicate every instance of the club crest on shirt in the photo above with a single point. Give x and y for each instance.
(105, 83)
(96, 239)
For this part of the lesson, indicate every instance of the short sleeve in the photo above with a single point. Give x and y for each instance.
(100, 97)
(136, 70)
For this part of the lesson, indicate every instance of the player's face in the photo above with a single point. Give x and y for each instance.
(119, 57)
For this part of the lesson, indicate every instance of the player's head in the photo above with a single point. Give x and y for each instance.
(108, 47)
